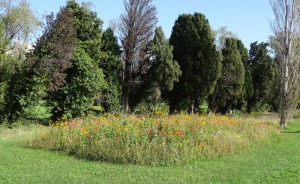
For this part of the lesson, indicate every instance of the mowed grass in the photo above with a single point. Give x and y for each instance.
(40, 111)
(278, 162)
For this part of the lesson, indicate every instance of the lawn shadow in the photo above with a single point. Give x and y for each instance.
(290, 132)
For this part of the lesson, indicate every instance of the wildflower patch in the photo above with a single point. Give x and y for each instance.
(159, 139)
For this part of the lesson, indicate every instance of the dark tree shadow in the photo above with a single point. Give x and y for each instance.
(291, 132)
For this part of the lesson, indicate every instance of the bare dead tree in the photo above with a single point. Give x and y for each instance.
(136, 28)
(286, 30)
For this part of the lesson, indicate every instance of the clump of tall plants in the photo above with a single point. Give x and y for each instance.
(152, 139)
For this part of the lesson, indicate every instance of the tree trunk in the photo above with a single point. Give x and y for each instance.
(212, 112)
(124, 101)
(125, 86)
(285, 110)
(58, 115)
(192, 108)
(284, 118)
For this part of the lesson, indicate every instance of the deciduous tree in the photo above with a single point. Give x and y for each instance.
(287, 21)
(20, 20)
(136, 29)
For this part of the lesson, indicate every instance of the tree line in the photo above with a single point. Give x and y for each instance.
(76, 64)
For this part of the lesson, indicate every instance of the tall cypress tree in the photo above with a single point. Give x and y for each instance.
(243, 51)
(249, 90)
(195, 52)
(230, 84)
(262, 69)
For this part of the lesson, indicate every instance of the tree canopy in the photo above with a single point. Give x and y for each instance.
(230, 84)
(200, 63)
(84, 79)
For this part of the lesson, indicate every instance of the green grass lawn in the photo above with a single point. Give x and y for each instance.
(275, 163)
(40, 111)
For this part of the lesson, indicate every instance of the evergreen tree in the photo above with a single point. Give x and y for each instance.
(243, 51)
(262, 69)
(162, 73)
(200, 63)
(230, 85)
(84, 79)
(249, 90)
(242, 102)
(112, 68)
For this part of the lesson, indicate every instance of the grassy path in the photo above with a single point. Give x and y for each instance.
(276, 163)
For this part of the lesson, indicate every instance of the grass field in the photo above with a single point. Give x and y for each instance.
(41, 111)
(278, 162)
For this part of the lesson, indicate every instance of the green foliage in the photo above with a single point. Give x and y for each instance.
(248, 86)
(18, 90)
(112, 68)
(84, 80)
(243, 51)
(230, 85)
(249, 90)
(262, 70)
(195, 52)
(5, 64)
(53, 50)
(21, 22)
(21, 93)
(162, 73)
(164, 70)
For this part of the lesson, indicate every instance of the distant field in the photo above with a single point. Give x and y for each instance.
(41, 111)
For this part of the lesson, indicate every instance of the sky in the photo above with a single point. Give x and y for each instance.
(249, 19)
